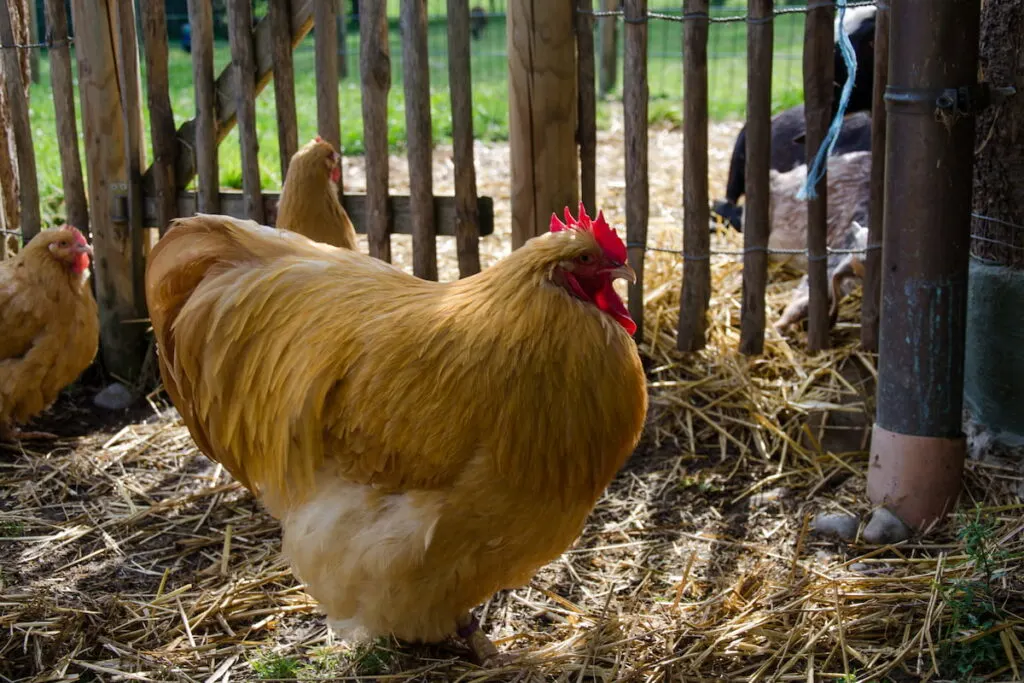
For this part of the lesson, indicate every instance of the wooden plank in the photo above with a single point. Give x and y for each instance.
(342, 42)
(161, 116)
(872, 287)
(122, 344)
(225, 99)
(126, 47)
(33, 37)
(460, 84)
(587, 104)
(62, 85)
(609, 47)
(22, 129)
(446, 211)
(279, 15)
(696, 291)
(328, 123)
(416, 83)
(542, 115)
(819, 47)
(634, 97)
(205, 132)
(759, 134)
(240, 36)
(375, 67)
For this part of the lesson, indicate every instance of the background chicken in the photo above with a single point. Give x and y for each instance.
(423, 444)
(50, 325)
(309, 202)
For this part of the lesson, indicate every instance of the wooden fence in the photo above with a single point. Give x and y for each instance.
(129, 203)
(818, 59)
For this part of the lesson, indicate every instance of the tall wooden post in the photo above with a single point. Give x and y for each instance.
(542, 115)
(97, 36)
(917, 444)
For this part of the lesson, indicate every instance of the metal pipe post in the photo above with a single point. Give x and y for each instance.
(918, 446)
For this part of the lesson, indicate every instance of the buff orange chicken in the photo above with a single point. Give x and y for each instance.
(423, 444)
(309, 202)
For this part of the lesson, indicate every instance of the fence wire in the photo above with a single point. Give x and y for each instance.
(694, 16)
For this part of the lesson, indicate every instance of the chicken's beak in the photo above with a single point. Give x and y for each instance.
(83, 249)
(625, 271)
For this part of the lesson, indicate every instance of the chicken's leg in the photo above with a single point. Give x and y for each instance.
(9, 433)
(484, 651)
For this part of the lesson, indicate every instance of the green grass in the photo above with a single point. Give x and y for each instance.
(727, 86)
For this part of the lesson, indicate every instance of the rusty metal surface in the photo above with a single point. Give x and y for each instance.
(929, 157)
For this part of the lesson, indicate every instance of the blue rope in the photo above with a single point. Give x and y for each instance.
(818, 168)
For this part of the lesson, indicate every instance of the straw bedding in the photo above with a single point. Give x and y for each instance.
(129, 556)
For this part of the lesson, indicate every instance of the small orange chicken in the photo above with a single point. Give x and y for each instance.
(424, 444)
(309, 202)
(50, 325)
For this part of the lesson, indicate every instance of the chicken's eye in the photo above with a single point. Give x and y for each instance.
(586, 259)
(62, 243)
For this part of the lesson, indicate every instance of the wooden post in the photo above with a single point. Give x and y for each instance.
(97, 38)
(126, 54)
(342, 42)
(15, 90)
(467, 217)
(279, 14)
(240, 35)
(62, 85)
(418, 134)
(33, 37)
(634, 97)
(542, 115)
(872, 288)
(161, 116)
(609, 47)
(819, 48)
(204, 151)
(587, 126)
(696, 292)
(375, 66)
(325, 24)
(759, 136)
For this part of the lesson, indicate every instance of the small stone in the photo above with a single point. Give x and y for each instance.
(860, 567)
(884, 528)
(114, 397)
(842, 526)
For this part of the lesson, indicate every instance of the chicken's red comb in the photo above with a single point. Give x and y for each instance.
(599, 228)
(319, 139)
(79, 237)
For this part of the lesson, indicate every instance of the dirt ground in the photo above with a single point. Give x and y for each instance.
(127, 555)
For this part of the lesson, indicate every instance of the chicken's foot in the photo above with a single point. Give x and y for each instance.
(8, 433)
(484, 651)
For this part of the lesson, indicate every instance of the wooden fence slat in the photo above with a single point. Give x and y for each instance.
(33, 37)
(240, 37)
(446, 211)
(819, 46)
(872, 287)
(279, 15)
(609, 47)
(460, 83)
(325, 25)
(634, 95)
(130, 84)
(543, 156)
(97, 48)
(342, 42)
(203, 152)
(759, 135)
(375, 67)
(161, 116)
(224, 98)
(416, 83)
(62, 85)
(587, 103)
(696, 292)
(22, 128)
